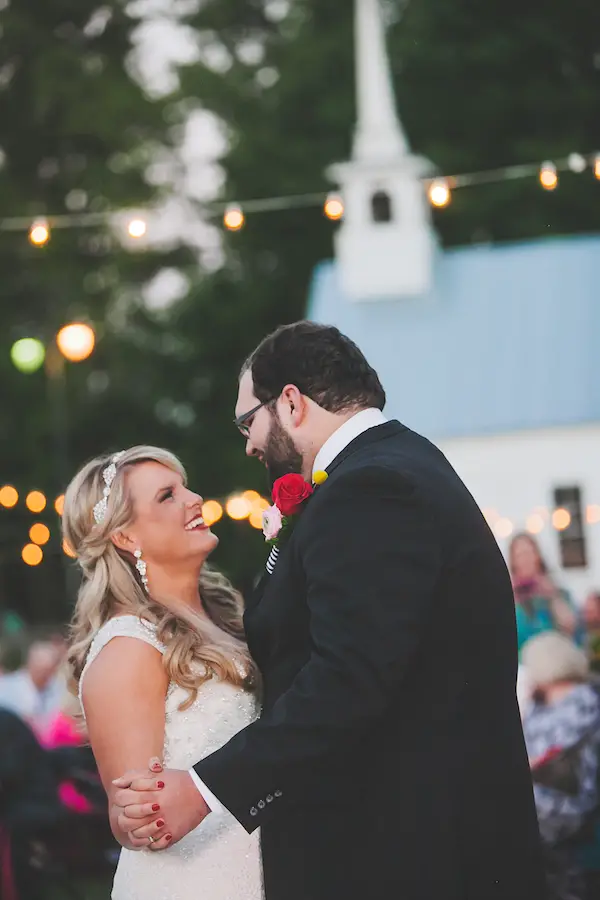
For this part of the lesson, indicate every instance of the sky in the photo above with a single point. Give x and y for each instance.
(161, 42)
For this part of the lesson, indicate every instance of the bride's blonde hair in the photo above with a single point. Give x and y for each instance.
(198, 646)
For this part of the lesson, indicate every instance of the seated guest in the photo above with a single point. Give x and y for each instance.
(591, 619)
(562, 731)
(35, 691)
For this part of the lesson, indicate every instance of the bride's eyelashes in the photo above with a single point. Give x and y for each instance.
(167, 495)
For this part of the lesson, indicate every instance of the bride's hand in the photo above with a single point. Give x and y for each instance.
(164, 809)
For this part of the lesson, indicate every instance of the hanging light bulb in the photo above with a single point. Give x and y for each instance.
(136, 228)
(39, 233)
(548, 176)
(334, 207)
(597, 166)
(439, 192)
(576, 162)
(234, 218)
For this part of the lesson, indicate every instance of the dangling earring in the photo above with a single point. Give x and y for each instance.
(141, 567)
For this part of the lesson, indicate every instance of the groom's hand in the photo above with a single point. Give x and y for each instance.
(164, 808)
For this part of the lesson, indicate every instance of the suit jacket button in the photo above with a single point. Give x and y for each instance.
(269, 798)
(278, 793)
(254, 811)
(261, 804)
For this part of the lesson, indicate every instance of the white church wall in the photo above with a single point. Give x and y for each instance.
(513, 476)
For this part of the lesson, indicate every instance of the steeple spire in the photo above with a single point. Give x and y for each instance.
(378, 135)
(385, 243)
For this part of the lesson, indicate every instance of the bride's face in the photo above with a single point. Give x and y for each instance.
(168, 527)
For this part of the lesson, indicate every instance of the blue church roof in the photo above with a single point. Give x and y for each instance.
(508, 339)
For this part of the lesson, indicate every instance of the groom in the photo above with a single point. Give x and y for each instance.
(389, 759)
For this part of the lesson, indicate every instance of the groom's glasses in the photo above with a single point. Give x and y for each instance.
(242, 422)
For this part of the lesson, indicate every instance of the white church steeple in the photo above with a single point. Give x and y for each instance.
(385, 243)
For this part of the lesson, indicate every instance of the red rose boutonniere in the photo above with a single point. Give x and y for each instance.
(289, 493)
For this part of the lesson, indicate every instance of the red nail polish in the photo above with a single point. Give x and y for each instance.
(160, 823)
(155, 807)
(160, 785)
(168, 837)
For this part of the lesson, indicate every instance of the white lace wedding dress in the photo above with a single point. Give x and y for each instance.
(219, 860)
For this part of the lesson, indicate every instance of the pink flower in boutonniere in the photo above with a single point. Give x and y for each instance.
(290, 492)
(272, 523)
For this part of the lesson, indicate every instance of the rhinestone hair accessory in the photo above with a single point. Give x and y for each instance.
(141, 567)
(108, 476)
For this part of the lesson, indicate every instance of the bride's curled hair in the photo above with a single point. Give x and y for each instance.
(198, 646)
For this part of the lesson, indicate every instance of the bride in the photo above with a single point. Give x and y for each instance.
(160, 662)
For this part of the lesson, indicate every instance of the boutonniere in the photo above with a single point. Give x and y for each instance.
(290, 492)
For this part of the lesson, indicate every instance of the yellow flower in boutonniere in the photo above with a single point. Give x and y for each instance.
(319, 477)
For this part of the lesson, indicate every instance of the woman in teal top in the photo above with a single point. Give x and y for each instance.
(540, 605)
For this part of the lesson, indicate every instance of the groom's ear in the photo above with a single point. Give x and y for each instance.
(294, 404)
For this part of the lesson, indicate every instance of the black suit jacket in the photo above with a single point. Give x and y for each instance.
(389, 753)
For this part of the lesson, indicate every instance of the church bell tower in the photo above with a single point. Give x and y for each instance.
(385, 243)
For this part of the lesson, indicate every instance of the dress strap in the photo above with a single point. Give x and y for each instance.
(121, 626)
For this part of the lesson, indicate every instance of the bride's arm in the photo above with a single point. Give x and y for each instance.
(123, 696)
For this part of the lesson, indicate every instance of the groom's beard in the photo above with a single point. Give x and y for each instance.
(280, 455)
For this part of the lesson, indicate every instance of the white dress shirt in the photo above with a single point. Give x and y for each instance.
(333, 446)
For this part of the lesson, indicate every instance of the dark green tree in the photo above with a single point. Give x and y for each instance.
(76, 135)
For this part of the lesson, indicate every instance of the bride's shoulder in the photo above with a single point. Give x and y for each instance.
(123, 626)
(121, 662)
(127, 626)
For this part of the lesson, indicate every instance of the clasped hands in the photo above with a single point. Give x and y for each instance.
(158, 807)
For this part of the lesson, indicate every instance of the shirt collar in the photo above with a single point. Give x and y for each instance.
(345, 434)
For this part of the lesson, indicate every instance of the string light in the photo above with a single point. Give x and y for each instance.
(32, 554)
(503, 528)
(576, 163)
(67, 549)
(39, 533)
(534, 523)
(27, 355)
(35, 501)
(212, 511)
(439, 192)
(256, 518)
(592, 514)
(39, 233)
(9, 496)
(333, 209)
(59, 504)
(548, 176)
(76, 341)
(136, 228)
(561, 519)
(238, 508)
(233, 218)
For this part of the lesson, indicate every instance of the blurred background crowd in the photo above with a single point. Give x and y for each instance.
(170, 191)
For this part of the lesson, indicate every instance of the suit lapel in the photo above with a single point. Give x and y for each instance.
(372, 435)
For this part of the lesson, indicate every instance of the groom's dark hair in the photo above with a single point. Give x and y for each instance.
(321, 362)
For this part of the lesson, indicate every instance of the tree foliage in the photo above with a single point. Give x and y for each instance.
(478, 86)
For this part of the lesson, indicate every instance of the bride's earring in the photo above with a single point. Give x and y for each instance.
(141, 567)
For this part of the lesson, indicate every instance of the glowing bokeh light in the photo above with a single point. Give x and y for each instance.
(35, 501)
(76, 341)
(27, 354)
(9, 496)
(237, 507)
(32, 554)
(212, 511)
(39, 533)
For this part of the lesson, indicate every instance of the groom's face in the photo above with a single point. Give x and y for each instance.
(266, 437)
